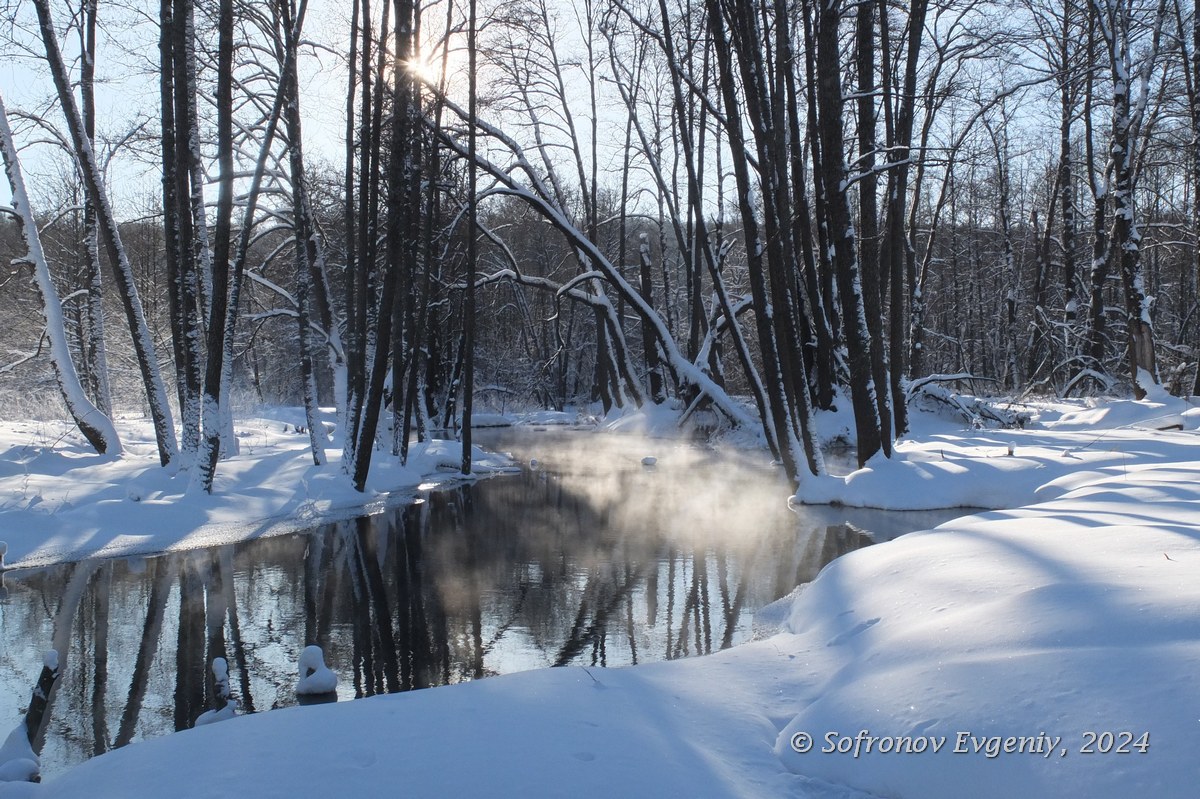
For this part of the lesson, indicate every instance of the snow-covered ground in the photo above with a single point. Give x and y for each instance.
(1045, 648)
(60, 501)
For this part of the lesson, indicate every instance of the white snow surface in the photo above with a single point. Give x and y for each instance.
(943, 466)
(1069, 614)
(60, 501)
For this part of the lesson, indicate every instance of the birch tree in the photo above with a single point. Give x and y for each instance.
(1190, 48)
(1116, 21)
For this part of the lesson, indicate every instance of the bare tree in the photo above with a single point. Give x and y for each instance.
(94, 423)
(834, 180)
(1115, 20)
(156, 394)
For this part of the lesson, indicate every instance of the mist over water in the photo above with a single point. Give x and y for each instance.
(587, 556)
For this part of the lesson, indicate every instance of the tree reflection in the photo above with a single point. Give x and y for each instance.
(553, 567)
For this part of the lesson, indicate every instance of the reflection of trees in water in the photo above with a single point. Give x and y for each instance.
(159, 574)
(532, 570)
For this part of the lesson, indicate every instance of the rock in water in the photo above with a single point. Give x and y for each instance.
(18, 762)
(229, 707)
(315, 676)
(213, 716)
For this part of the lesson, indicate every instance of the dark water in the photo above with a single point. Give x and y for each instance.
(590, 557)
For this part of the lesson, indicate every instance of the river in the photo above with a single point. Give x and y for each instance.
(603, 550)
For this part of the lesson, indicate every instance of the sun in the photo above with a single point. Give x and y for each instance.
(427, 66)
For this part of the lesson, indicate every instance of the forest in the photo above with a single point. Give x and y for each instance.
(750, 210)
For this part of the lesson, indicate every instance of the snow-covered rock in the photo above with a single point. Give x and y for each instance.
(213, 716)
(18, 762)
(228, 710)
(315, 676)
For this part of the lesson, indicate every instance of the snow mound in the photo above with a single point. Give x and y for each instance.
(1159, 411)
(1071, 628)
(18, 761)
(1009, 468)
(315, 676)
(213, 716)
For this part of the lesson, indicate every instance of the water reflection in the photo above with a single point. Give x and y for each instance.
(591, 558)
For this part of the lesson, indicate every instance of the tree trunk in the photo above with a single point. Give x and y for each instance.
(398, 246)
(1095, 336)
(896, 252)
(228, 261)
(776, 424)
(472, 239)
(303, 235)
(39, 702)
(181, 202)
(95, 352)
(872, 276)
(156, 394)
(842, 231)
(1194, 147)
(1066, 185)
(1115, 19)
(222, 312)
(93, 423)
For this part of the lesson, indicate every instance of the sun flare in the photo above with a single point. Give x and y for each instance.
(427, 66)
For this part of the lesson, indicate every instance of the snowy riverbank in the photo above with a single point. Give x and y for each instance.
(1067, 621)
(61, 501)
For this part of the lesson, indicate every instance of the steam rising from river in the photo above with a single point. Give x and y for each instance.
(689, 495)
